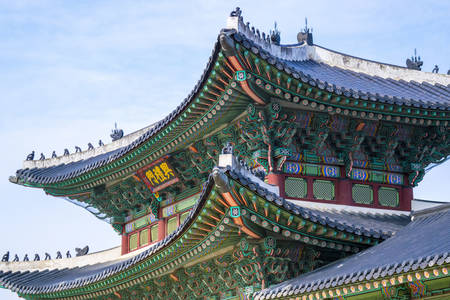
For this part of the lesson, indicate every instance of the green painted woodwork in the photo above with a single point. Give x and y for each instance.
(171, 225)
(268, 132)
(295, 187)
(323, 189)
(247, 263)
(133, 240)
(273, 218)
(139, 223)
(288, 85)
(273, 89)
(388, 196)
(179, 206)
(184, 216)
(154, 232)
(362, 194)
(416, 137)
(144, 237)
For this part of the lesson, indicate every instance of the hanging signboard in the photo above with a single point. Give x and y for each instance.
(158, 175)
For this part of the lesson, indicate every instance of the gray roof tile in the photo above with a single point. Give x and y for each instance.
(427, 239)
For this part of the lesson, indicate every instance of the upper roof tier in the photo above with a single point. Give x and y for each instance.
(390, 92)
(344, 73)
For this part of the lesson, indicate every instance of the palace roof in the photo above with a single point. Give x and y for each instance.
(57, 277)
(321, 69)
(422, 244)
(397, 115)
(351, 76)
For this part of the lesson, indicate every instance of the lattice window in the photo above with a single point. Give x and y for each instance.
(388, 196)
(323, 189)
(171, 225)
(295, 187)
(362, 194)
(154, 233)
(184, 216)
(143, 237)
(133, 241)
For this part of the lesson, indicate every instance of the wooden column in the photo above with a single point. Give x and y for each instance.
(344, 192)
(406, 197)
(125, 244)
(278, 180)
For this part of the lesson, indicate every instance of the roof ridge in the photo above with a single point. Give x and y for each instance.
(375, 68)
(430, 211)
(303, 51)
(86, 154)
(297, 51)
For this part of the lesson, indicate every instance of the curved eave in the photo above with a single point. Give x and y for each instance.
(212, 102)
(290, 81)
(427, 90)
(208, 228)
(151, 263)
(199, 112)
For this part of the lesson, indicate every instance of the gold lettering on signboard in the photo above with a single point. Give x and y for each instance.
(159, 174)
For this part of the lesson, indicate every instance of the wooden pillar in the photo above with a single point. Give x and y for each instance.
(344, 192)
(161, 229)
(125, 244)
(278, 180)
(406, 197)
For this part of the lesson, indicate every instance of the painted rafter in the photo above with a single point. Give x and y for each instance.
(210, 229)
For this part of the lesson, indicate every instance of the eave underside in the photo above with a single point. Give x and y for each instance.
(210, 231)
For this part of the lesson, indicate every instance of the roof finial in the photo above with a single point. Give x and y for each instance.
(236, 13)
(414, 63)
(275, 37)
(306, 34)
(30, 156)
(82, 251)
(116, 133)
(435, 69)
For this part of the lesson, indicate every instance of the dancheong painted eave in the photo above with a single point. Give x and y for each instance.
(336, 81)
(55, 280)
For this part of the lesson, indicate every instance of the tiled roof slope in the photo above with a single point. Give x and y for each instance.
(346, 74)
(302, 61)
(52, 174)
(44, 281)
(425, 242)
(383, 89)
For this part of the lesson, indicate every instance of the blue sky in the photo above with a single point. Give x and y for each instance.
(70, 69)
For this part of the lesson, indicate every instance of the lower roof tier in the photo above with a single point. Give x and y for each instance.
(261, 214)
